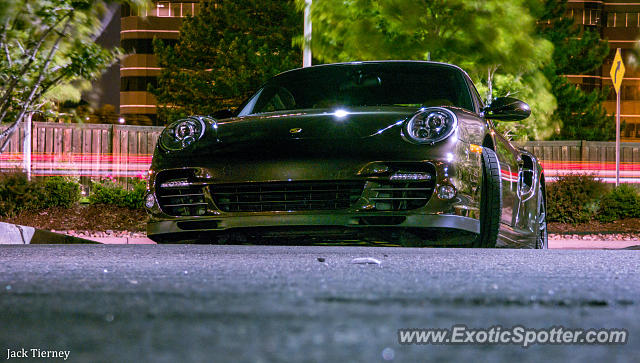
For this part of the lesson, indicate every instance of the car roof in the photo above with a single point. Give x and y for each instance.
(391, 63)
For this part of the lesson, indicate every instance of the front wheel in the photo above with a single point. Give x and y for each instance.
(490, 200)
(542, 239)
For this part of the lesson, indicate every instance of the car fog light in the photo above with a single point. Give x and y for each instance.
(149, 201)
(446, 192)
(175, 184)
(411, 176)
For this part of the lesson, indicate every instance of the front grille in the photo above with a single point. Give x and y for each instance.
(402, 196)
(286, 196)
(179, 197)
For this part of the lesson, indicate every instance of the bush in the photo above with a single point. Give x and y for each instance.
(621, 202)
(18, 194)
(60, 192)
(109, 192)
(574, 198)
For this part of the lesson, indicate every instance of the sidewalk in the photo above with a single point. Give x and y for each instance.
(569, 244)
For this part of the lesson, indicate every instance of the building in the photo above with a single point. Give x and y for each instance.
(139, 68)
(619, 23)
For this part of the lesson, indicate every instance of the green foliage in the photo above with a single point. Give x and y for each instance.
(60, 192)
(574, 198)
(476, 35)
(111, 193)
(621, 202)
(224, 54)
(525, 87)
(495, 41)
(47, 49)
(19, 194)
(580, 115)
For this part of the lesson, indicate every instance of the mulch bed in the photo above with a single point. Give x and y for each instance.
(631, 225)
(83, 217)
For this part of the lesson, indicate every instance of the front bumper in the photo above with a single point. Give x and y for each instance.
(457, 214)
(168, 230)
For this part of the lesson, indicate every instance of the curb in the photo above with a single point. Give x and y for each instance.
(14, 234)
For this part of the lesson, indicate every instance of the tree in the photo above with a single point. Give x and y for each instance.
(495, 41)
(580, 115)
(225, 53)
(46, 45)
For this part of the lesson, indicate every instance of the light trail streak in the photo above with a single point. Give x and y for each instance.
(135, 165)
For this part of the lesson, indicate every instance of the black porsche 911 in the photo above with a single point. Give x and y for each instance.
(397, 151)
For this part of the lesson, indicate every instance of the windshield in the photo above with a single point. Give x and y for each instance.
(363, 84)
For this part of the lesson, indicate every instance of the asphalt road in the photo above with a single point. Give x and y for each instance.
(147, 303)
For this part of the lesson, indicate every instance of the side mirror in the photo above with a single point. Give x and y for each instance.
(507, 109)
(220, 114)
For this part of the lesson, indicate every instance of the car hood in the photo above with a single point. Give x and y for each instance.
(312, 125)
(366, 133)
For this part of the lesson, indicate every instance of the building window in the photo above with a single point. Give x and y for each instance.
(137, 84)
(623, 20)
(593, 17)
(632, 20)
(142, 46)
(176, 10)
(163, 9)
(187, 9)
(125, 10)
(128, 10)
(577, 16)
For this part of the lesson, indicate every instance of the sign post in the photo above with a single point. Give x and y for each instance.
(617, 73)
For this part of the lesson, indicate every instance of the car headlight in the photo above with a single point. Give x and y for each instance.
(430, 125)
(182, 133)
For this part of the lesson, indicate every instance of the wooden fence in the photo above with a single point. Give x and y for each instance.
(89, 151)
(586, 151)
(93, 151)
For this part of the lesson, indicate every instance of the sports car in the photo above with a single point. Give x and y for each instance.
(394, 151)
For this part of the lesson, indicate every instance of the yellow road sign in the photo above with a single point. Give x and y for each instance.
(617, 71)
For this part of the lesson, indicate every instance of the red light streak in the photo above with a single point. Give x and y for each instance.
(80, 164)
(134, 165)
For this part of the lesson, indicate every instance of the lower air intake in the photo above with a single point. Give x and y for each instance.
(286, 196)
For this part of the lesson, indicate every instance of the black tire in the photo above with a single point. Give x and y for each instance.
(490, 200)
(542, 239)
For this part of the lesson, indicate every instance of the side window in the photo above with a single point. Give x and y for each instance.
(477, 99)
(281, 100)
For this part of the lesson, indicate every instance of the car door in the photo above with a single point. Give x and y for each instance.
(509, 168)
